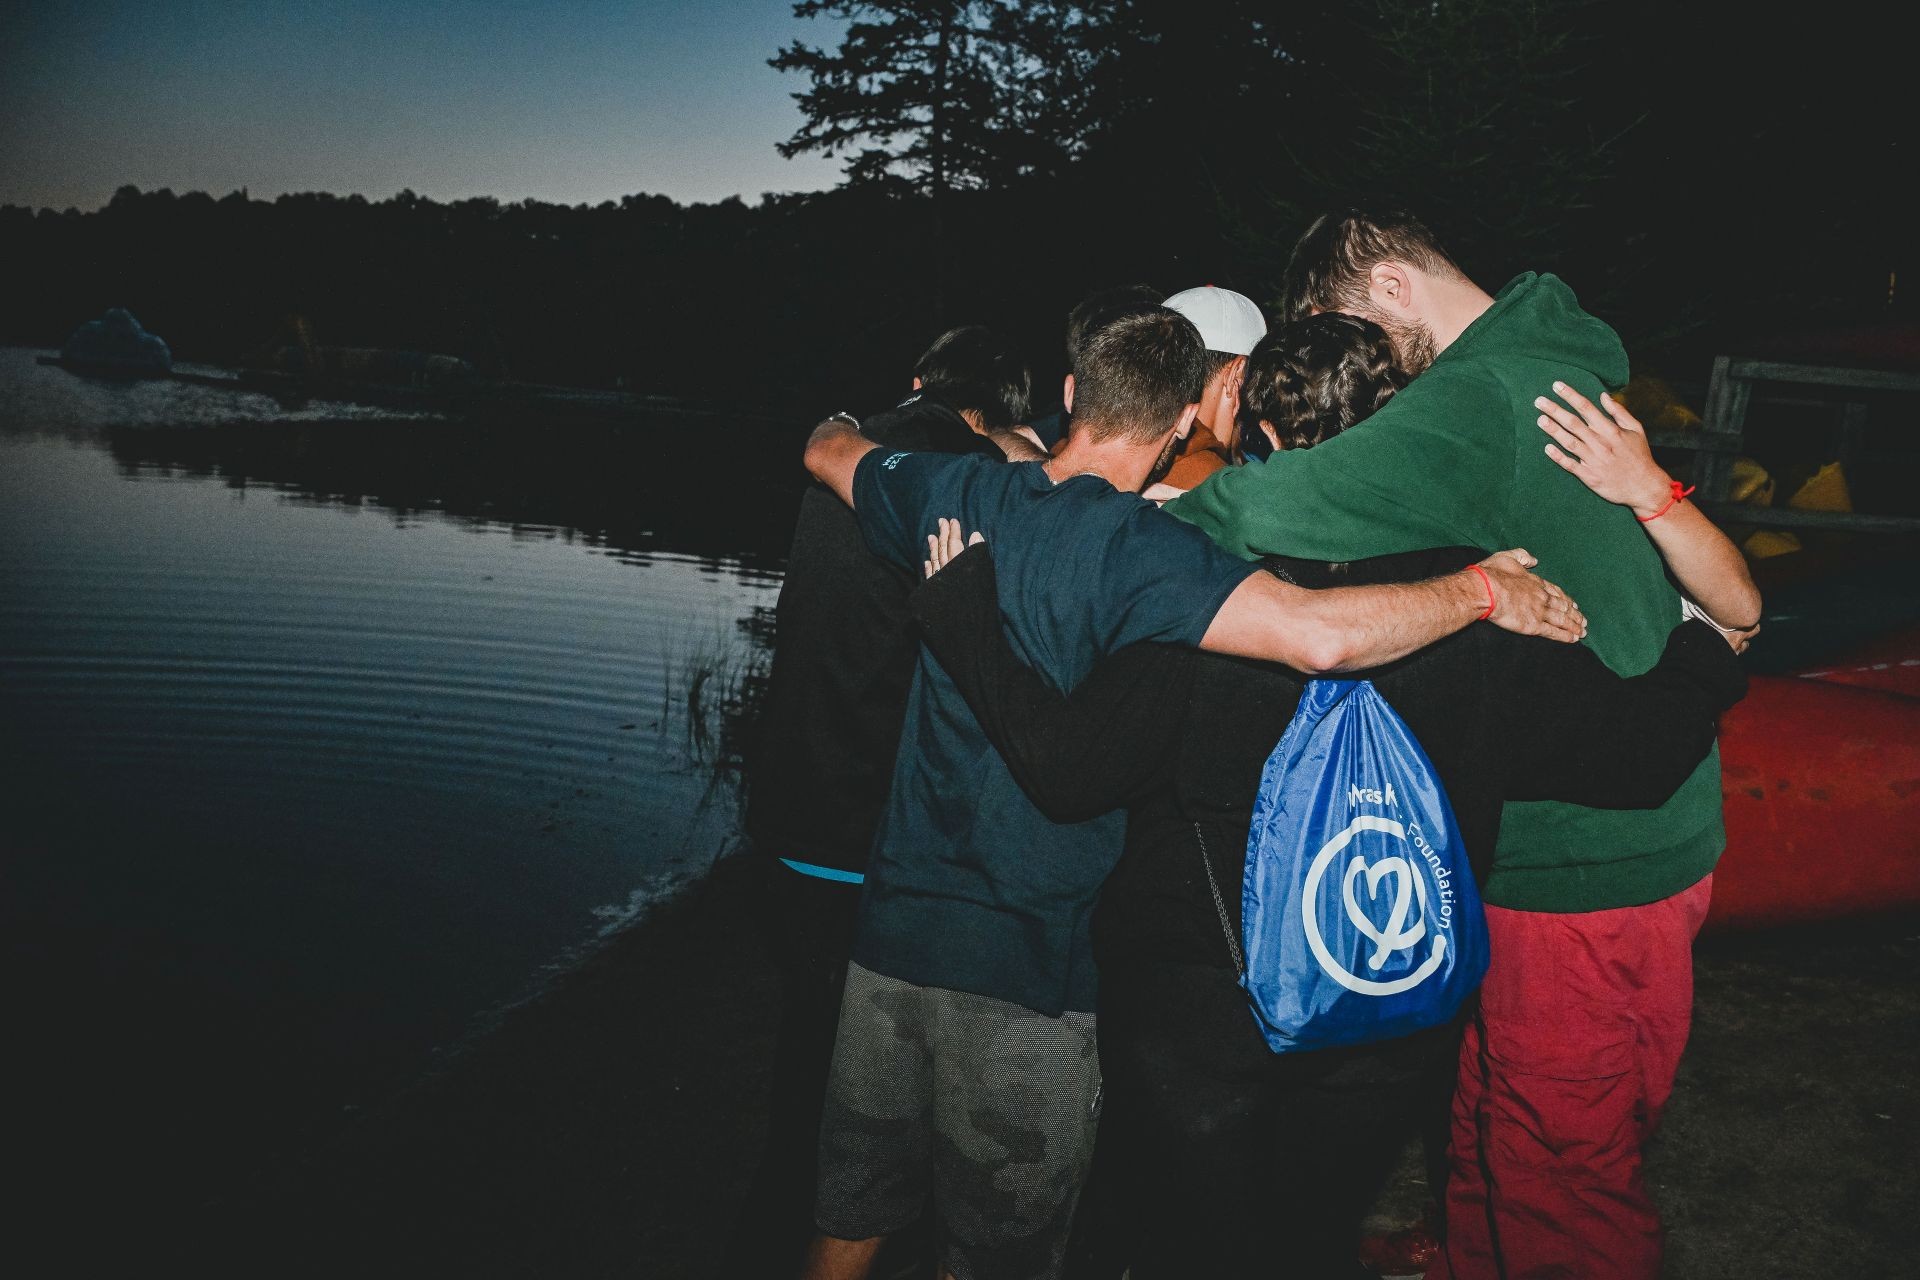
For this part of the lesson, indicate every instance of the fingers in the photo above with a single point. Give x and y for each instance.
(1588, 411)
(1621, 418)
(1531, 605)
(1566, 460)
(1560, 620)
(1569, 616)
(1561, 617)
(976, 538)
(1560, 631)
(1577, 447)
(940, 548)
(944, 546)
(1570, 429)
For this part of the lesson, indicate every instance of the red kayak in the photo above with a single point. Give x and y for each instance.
(1891, 665)
(1821, 776)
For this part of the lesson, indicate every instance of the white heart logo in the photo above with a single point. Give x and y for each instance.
(1397, 936)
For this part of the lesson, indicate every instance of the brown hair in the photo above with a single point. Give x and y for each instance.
(1331, 262)
(1311, 379)
(1136, 372)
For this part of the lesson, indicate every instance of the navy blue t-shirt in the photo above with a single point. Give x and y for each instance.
(970, 887)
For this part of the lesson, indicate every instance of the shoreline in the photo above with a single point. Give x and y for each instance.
(611, 1126)
(606, 1125)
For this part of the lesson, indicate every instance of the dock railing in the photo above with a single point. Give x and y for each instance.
(1722, 435)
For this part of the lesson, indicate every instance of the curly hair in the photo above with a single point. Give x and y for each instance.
(1312, 378)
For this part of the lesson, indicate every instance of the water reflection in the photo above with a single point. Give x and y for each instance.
(631, 490)
(324, 734)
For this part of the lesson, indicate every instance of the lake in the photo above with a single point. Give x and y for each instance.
(330, 733)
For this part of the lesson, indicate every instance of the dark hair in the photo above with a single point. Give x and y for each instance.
(1312, 379)
(1102, 305)
(1331, 262)
(972, 367)
(1136, 372)
(1218, 360)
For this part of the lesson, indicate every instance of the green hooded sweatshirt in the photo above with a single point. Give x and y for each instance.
(1456, 459)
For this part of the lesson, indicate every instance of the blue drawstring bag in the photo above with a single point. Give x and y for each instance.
(1361, 921)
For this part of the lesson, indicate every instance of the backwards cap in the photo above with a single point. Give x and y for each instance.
(1227, 321)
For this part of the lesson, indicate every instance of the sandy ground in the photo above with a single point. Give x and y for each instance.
(610, 1128)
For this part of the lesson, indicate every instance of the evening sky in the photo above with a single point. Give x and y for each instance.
(570, 101)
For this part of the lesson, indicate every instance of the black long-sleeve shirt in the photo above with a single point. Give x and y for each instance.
(1179, 737)
(843, 656)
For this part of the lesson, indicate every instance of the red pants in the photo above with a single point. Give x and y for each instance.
(1563, 1075)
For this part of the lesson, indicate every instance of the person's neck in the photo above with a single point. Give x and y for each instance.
(1215, 411)
(1122, 465)
(1456, 304)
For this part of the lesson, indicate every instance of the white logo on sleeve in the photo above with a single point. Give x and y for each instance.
(891, 461)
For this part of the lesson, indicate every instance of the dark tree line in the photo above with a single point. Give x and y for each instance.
(1701, 172)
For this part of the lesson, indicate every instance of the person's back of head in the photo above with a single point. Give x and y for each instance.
(1314, 377)
(974, 370)
(1136, 374)
(1331, 262)
(1387, 267)
(1229, 323)
(1102, 305)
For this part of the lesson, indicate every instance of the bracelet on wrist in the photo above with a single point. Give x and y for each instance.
(1678, 495)
(1488, 583)
(843, 416)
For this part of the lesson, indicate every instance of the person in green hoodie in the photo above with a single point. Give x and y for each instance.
(1588, 1004)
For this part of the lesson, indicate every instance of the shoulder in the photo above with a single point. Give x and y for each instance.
(1449, 408)
(922, 423)
(1144, 519)
(908, 466)
(1468, 380)
(1147, 543)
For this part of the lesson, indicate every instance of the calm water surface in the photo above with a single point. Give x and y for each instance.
(327, 732)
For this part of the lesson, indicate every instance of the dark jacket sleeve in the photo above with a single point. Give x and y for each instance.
(1576, 731)
(1076, 755)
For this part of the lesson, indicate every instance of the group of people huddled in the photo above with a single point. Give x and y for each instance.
(1028, 673)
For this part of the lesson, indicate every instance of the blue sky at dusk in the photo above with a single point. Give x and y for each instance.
(576, 100)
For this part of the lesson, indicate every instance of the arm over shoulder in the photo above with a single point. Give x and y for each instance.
(1576, 731)
(1076, 755)
(1161, 580)
(890, 491)
(1434, 467)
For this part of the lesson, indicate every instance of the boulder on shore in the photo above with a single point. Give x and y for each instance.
(116, 344)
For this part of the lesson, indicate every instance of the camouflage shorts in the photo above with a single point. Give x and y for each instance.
(988, 1106)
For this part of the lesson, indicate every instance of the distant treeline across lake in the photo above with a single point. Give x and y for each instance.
(1697, 175)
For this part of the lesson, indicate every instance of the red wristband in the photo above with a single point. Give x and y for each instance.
(1680, 493)
(1489, 585)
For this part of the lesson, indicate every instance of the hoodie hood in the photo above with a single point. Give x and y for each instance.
(1537, 317)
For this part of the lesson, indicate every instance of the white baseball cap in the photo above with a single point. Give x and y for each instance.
(1227, 321)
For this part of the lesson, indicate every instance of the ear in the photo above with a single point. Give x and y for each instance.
(1184, 428)
(917, 384)
(1230, 385)
(1066, 393)
(1390, 286)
